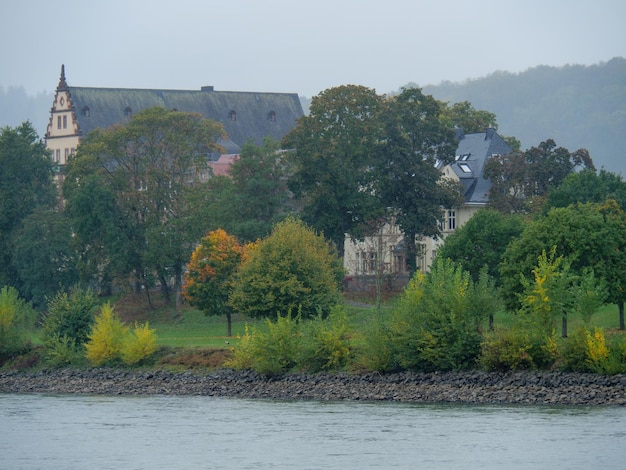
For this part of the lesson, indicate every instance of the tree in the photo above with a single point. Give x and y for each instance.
(588, 186)
(408, 180)
(332, 159)
(589, 236)
(16, 318)
(210, 274)
(462, 115)
(519, 180)
(26, 183)
(147, 168)
(293, 270)
(253, 196)
(481, 242)
(43, 257)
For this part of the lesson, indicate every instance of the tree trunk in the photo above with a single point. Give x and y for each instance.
(229, 321)
(411, 253)
(620, 306)
(490, 322)
(564, 326)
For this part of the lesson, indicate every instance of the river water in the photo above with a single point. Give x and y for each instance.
(164, 432)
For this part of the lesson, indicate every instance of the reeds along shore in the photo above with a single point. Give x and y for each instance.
(532, 388)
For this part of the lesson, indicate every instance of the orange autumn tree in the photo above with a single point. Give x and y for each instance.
(210, 273)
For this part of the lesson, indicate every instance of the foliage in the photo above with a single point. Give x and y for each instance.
(254, 196)
(482, 241)
(590, 236)
(589, 350)
(62, 351)
(331, 164)
(519, 180)
(325, 343)
(210, 273)
(43, 256)
(441, 331)
(26, 184)
(106, 337)
(462, 115)
(70, 315)
(294, 269)
(519, 347)
(138, 344)
(408, 181)
(588, 186)
(146, 172)
(16, 317)
(271, 352)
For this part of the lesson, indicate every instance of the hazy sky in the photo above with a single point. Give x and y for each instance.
(301, 46)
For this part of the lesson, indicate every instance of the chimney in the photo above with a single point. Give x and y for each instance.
(489, 133)
(458, 133)
(207, 88)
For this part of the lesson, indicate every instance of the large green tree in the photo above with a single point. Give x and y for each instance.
(332, 159)
(464, 116)
(145, 171)
(26, 184)
(408, 177)
(588, 236)
(294, 270)
(481, 242)
(254, 196)
(588, 186)
(522, 181)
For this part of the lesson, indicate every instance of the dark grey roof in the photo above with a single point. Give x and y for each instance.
(244, 115)
(472, 153)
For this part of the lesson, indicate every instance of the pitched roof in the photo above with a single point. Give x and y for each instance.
(244, 115)
(472, 153)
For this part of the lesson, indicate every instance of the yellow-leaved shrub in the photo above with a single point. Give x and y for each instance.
(138, 344)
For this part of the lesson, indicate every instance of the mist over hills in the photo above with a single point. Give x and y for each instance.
(578, 106)
(575, 105)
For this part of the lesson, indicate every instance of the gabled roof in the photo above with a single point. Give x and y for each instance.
(472, 153)
(244, 115)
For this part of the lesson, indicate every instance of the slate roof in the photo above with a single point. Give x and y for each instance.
(472, 153)
(244, 115)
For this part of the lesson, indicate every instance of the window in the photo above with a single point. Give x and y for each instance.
(451, 219)
(64, 122)
(271, 116)
(58, 155)
(465, 168)
(373, 265)
(67, 154)
(58, 122)
(232, 115)
(128, 112)
(86, 112)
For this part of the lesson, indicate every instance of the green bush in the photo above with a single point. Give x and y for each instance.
(438, 320)
(62, 351)
(271, 352)
(16, 318)
(375, 352)
(325, 342)
(518, 348)
(70, 315)
(573, 352)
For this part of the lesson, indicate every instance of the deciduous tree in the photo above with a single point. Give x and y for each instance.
(210, 274)
(292, 271)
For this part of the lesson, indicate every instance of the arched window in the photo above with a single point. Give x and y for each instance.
(86, 112)
(232, 115)
(128, 112)
(271, 116)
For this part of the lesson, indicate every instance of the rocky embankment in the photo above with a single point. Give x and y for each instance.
(460, 387)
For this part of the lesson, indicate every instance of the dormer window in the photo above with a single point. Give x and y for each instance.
(86, 112)
(465, 168)
(271, 116)
(232, 115)
(128, 112)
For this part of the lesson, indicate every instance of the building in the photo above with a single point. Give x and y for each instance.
(384, 251)
(246, 116)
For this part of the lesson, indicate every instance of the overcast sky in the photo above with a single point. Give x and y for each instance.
(301, 46)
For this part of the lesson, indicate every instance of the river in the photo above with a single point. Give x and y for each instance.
(169, 432)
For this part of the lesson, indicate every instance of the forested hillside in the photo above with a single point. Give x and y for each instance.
(577, 106)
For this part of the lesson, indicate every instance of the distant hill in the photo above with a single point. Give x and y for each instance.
(577, 106)
(16, 107)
